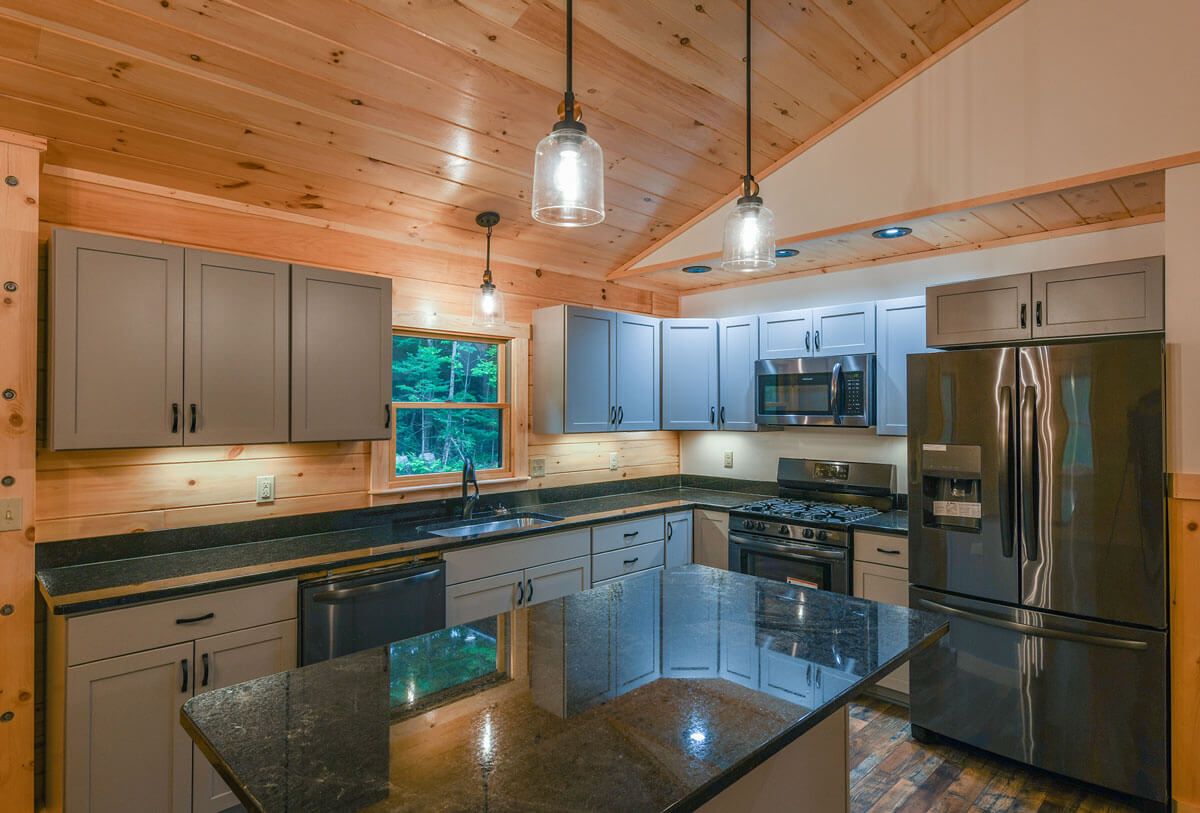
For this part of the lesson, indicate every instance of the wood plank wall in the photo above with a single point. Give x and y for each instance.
(93, 493)
(1185, 642)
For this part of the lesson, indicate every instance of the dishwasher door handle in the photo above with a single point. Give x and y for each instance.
(350, 593)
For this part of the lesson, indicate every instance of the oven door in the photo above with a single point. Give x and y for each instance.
(816, 566)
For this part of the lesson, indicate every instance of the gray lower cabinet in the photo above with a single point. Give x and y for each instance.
(236, 375)
(1117, 297)
(901, 332)
(116, 342)
(341, 355)
(638, 359)
(841, 330)
(679, 539)
(574, 370)
(737, 346)
(690, 374)
(638, 634)
(690, 647)
(881, 574)
(785, 335)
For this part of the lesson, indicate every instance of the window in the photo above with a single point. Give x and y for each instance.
(450, 396)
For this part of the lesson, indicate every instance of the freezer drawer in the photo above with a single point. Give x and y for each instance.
(1079, 698)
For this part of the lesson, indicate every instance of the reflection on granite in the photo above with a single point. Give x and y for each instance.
(652, 693)
(96, 585)
(889, 522)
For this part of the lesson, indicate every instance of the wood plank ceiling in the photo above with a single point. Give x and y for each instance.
(404, 118)
(1128, 200)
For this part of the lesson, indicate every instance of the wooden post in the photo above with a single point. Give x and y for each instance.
(20, 157)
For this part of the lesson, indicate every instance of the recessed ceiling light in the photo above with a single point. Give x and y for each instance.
(697, 269)
(786, 252)
(891, 232)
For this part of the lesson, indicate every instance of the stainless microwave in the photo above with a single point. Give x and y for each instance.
(828, 391)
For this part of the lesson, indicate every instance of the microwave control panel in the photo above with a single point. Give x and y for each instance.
(853, 393)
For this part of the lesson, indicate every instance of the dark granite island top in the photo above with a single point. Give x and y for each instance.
(655, 693)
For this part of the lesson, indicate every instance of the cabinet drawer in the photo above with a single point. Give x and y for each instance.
(624, 534)
(626, 560)
(146, 626)
(883, 549)
(606, 582)
(488, 560)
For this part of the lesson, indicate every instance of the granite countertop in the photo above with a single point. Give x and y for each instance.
(99, 585)
(560, 706)
(889, 522)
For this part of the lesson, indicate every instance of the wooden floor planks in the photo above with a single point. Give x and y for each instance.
(892, 773)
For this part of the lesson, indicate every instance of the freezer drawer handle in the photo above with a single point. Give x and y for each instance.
(349, 593)
(1040, 632)
(1006, 478)
(1029, 472)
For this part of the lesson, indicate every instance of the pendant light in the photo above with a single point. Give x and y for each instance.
(750, 230)
(489, 304)
(568, 166)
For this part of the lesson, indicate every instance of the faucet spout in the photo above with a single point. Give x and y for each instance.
(468, 479)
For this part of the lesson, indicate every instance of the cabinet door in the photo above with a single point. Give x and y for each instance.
(125, 749)
(842, 330)
(888, 585)
(341, 355)
(116, 342)
(710, 539)
(1088, 300)
(557, 579)
(591, 377)
(690, 630)
(689, 374)
(739, 660)
(679, 539)
(901, 324)
(982, 311)
(235, 350)
(785, 335)
(224, 660)
(638, 376)
(481, 598)
(788, 678)
(738, 349)
(638, 632)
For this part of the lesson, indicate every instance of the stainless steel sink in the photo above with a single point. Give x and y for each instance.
(490, 525)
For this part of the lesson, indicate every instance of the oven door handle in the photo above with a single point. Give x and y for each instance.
(801, 550)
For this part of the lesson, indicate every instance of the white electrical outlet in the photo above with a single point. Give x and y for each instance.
(729, 459)
(613, 462)
(10, 514)
(537, 467)
(265, 488)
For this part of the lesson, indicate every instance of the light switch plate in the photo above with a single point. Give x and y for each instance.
(537, 467)
(265, 488)
(10, 514)
(613, 462)
(729, 459)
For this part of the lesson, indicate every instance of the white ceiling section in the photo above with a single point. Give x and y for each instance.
(1056, 90)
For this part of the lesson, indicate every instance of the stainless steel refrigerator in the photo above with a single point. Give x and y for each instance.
(1037, 505)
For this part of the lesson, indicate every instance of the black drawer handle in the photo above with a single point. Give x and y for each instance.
(196, 620)
(632, 561)
(632, 534)
(888, 551)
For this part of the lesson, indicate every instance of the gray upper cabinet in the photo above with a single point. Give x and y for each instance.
(638, 359)
(116, 342)
(901, 331)
(341, 355)
(574, 370)
(1117, 297)
(235, 350)
(738, 348)
(841, 330)
(689, 374)
(785, 335)
(983, 311)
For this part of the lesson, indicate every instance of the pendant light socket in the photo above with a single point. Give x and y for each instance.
(488, 308)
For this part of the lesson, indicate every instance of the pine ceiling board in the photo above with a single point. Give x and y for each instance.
(936, 22)
(1141, 194)
(969, 227)
(933, 233)
(977, 10)
(1050, 211)
(1096, 203)
(880, 30)
(1007, 218)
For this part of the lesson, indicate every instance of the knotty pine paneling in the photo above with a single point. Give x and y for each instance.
(93, 493)
(1185, 645)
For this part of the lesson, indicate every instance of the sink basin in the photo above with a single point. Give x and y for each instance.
(490, 525)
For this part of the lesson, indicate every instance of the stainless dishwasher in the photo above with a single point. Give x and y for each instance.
(351, 612)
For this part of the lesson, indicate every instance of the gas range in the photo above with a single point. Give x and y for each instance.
(807, 520)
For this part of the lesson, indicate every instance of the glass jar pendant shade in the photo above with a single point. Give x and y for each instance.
(488, 309)
(750, 229)
(568, 165)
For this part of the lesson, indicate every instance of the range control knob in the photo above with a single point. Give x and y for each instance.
(785, 530)
(822, 536)
(762, 526)
(808, 533)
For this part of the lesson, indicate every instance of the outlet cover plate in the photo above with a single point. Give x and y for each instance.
(264, 488)
(729, 459)
(614, 462)
(10, 514)
(537, 467)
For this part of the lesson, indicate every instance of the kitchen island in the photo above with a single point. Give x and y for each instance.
(678, 690)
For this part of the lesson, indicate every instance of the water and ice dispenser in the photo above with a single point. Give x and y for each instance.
(952, 482)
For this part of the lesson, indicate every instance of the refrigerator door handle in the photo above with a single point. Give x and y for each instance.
(1029, 473)
(1006, 478)
(1040, 632)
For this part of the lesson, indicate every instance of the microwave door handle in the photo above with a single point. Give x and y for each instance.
(835, 391)
(1006, 478)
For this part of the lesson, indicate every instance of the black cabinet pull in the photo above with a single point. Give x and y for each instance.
(520, 593)
(612, 414)
(817, 339)
(670, 531)
(1024, 311)
(192, 425)
(808, 340)
(632, 534)
(196, 619)
(184, 664)
(620, 415)
(529, 597)
(888, 551)
(1037, 313)
(174, 418)
(632, 561)
(387, 416)
(712, 414)
(204, 665)
(808, 675)
(722, 413)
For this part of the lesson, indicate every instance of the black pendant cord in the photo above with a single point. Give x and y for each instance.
(569, 97)
(748, 180)
(487, 264)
